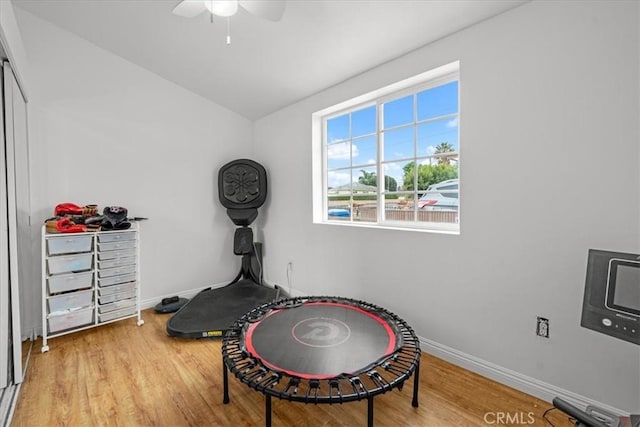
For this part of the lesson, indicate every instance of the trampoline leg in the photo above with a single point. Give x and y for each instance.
(370, 411)
(268, 410)
(225, 383)
(416, 385)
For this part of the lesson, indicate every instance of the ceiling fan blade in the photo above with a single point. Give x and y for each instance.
(189, 8)
(267, 9)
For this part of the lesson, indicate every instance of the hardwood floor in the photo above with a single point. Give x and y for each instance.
(127, 375)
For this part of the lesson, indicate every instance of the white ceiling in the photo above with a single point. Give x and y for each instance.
(268, 65)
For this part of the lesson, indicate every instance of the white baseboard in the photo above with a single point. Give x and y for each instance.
(520, 382)
(190, 293)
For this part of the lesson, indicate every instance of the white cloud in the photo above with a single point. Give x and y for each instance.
(338, 178)
(452, 123)
(340, 151)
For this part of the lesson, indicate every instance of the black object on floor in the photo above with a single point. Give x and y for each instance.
(242, 189)
(170, 305)
(212, 311)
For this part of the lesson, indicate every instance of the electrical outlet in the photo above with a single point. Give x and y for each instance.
(542, 327)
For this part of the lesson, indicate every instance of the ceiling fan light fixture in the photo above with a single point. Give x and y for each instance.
(223, 8)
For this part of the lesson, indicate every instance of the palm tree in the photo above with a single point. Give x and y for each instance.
(368, 178)
(444, 147)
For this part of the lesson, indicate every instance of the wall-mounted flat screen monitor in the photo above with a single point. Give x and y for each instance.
(611, 303)
(623, 286)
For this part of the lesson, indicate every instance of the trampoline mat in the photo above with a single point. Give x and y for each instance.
(214, 310)
(321, 340)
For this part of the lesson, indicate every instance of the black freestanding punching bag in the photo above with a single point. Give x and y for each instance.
(242, 189)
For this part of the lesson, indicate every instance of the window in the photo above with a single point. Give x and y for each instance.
(391, 158)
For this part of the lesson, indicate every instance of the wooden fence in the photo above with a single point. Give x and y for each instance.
(369, 213)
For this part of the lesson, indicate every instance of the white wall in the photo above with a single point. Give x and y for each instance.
(550, 149)
(11, 40)
(106, 131)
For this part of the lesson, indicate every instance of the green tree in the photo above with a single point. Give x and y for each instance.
(428, 174)
(444, 147)
(370, 178)
(390, 183)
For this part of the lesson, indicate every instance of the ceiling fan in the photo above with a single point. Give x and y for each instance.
(271, 10)
(267, 9)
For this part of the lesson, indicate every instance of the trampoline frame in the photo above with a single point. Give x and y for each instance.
(379, 377)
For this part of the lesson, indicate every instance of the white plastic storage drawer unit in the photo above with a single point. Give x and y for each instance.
(116, 262)
(117, 237)
(69, 282)
(129, 311)
(69, 244)
(74, 319)
(116, 271)
(115, 289)
(69, 263)
(117, 254)
(115, 280)
(88, 278)
(116, 305)
(115, 246)
(70, 301)
(106, 299)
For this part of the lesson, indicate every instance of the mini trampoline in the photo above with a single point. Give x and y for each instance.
(321, 350)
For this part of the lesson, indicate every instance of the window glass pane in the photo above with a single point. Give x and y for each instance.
(338, 128)
(339, 208)
(363, 122)
(365, 207)
(399, 207)
(398, 144)
(403, 172)
(430, 174)
(438, 101)
(339, 181)
(365, 151)
(440, 136)
(338, 155)
(394, 173)
(365, 180)
(440, 202)
(398, 112)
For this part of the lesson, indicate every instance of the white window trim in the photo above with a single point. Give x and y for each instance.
(407, 86)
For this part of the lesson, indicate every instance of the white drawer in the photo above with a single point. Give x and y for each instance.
(116, 254)
(116, 262)
(74, 319)
(106, 299)
(116, 305)
(129, 311)
(114, 236)
(69, 263)
(116, 246)
(72, 300)
(115, 280)
(69, 244)
(110, 290)
(69, 282)
(110, 272)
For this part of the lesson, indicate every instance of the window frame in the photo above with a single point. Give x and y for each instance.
(411, 86)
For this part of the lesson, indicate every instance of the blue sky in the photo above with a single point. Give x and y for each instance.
(352, 137)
